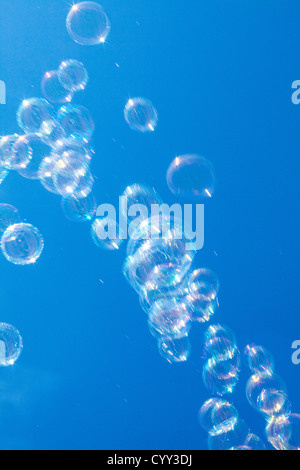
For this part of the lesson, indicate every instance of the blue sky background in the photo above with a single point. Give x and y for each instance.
(220, 74)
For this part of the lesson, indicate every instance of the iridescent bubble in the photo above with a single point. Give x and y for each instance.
(141, 115)
(87, 24)
(20, 156)
(205, 413)
(11, 345)
(254, 442)
(53, 89)
(224, 418)
(152, 291)
(73, 75)
(202, 309)
(219, 348)
(67, 147)
(33, 147)
(106, 233)
(22, 244)
(204, 283)
(7, 149)
(32, 113)
(76, 122)
(79, 210)
(169, 317)
(260, 361)
(221, 377)
(9, 215)
(191, 175)
(175, 350)
(85, 184)
(267, 394)
(65, 177)
(51, 132)
(283, 432)
(229, 440)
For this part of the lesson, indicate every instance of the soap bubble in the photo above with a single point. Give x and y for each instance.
(220, 376)
(87, 24)
(79, 210)
(33, 146)
(224, 418)
(7, 149)
(153, 290)
(32, 113)
(85, 184)
(72, 147)
(141, 115)
(260, 361)
(22, 244)
(267, 394)
(9, 215)
(76, 122)
(175, 350)
(202, 310)
(169, 317)
(229, 440)
(106, 233)
(254, 442)
(191, 175)
(73, 75)
(53, 89)
(205, 413)
(283, 432)
(11, 345)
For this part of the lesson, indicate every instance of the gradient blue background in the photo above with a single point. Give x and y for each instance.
(220, 74)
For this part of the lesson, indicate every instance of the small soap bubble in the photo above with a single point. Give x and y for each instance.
(205, 413)
(267, 394)
(88, 24)
(169, 317)
(33, 147)
(260, 361)
(79, 210)
(32, 113)
(53, 89)
(9, 215)
(106, 233)
(7, 149)
(76, 122)
(73, 75)
(11, 345)
(22, 244)
(254, 442)
(221, 377)
(152, 291)
(141, 115)
(85, 184)
(175, 350)
(202, 309)
(46, 171)
(224, 418)
(191, 175)
(283, 432)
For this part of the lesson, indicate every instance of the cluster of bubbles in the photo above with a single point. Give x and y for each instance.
(266, 392)
(226, 430)
(222, 360)
(158, 266)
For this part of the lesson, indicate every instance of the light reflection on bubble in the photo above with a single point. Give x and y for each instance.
(260, 361)
(106, 234)
(79, 210)
(11, 345)
(73, 75)
(76, 122)
(32, 113)
(53, 89)
(174, 350)
(31, 145)
(141, 115)
(169, 317)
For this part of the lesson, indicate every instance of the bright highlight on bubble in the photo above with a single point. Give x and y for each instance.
(73, 75)
(88, 24)
(22, 244)
(32, 113)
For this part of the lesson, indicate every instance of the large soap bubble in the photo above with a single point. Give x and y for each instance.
(87, 24)
(22, 244)
(32, 147)
(191, 175)
(53, 89)
(11, 345)
(76, 122)
(140, 115)
(175, 350)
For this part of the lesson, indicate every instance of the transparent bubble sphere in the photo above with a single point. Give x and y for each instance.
(11, 345)
(88, 24)
(22, 244)
(141, 115)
